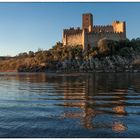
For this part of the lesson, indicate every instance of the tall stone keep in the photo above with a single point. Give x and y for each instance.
(87, 21)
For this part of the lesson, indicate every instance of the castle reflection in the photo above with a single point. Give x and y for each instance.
(88, 104)
(119, 127)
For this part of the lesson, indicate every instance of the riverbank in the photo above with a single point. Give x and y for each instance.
(113, 63)
(106, 64)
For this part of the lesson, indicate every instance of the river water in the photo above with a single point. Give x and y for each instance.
(69, 105)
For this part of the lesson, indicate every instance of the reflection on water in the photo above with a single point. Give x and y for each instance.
(118, 127)
(69, 105)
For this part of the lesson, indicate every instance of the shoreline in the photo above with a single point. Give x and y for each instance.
(9, 71)
(73, 72)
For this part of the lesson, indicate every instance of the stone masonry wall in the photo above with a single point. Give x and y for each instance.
(93, 38)
(73, 40)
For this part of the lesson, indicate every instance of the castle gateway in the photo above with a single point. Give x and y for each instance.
(90, 34)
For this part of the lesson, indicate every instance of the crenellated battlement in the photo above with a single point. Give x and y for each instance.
(103, 28)
(72, 31)
(106, 33)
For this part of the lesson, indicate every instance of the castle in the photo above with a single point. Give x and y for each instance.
(90, 34)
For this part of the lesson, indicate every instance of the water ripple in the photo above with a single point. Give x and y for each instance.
(41, 105)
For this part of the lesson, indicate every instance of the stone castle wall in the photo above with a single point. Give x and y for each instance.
(73, 40)
(93, 38)
(72, 37)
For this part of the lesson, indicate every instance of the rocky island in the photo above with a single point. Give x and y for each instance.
(91, 48)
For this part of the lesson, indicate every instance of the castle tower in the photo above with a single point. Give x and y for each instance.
(87, 21)
(119, 27)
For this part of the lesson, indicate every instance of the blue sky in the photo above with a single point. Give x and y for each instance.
(29, 26)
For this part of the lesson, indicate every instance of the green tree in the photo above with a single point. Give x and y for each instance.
(31, 54)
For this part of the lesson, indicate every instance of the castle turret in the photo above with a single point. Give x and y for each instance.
(87, 21)
(119, 27)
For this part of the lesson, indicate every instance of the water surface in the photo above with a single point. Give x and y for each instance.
(69, 105)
